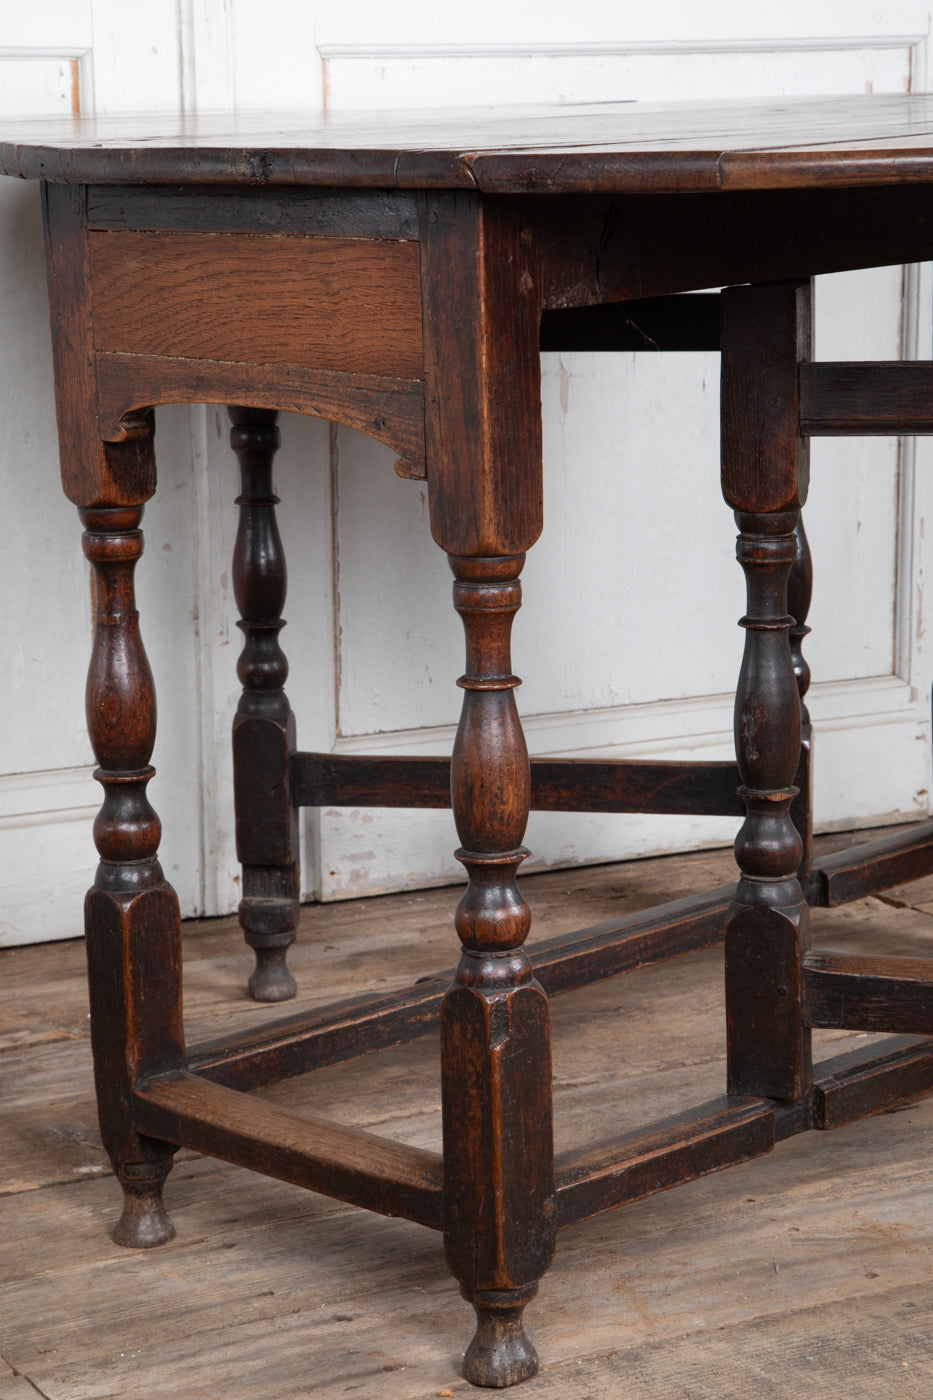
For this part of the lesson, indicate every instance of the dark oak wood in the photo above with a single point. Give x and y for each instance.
(352, 1165)
(374, 1021)
(500, 1215)
(863, 1082)
(391, 410)
(861, 399)
(605, 950)
(598, 249)
(656, 323)
(635, 1165)
(765, 332)
(635, 785)
(402, 277)
(856, 1197)
(869, 994)
(345, 304)
(482, 311)
(92, 474)
(132, 923)
(557, 785)
(735, 1129)
(311, 1040)
(766, 335)
(264, 727)
(575, 148)
(874, 865)
(199, 208)
(799, 592)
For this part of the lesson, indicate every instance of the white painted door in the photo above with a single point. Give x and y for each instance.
(57, 56)
(631, 470)
(631, 465)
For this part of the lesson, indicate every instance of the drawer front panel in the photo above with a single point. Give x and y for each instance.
(344, 304)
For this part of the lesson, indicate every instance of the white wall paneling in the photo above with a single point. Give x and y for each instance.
(372, 76)
(630, 485)
(631, 476)
(39, 82)
(537, 24)
(46, 795)
(56, 57)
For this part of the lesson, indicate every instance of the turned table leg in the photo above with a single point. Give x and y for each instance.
(482, 295)
(765, 335)
(500, 1215)
(131, 913)
(769, 1046)
(264, 727)
(799, 592)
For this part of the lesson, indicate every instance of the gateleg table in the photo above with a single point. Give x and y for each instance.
(401, 275)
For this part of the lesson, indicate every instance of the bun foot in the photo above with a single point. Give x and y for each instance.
(144, 1222)
(271, 979)
(500, 1354)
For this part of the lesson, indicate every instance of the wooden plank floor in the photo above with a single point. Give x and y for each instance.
(808, 1273)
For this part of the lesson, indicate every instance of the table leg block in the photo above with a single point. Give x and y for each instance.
(132, 916)
(500, 1202)
(499, 1191)
(264, 728)
(134, 975)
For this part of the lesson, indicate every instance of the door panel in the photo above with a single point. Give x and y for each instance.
(627, 639)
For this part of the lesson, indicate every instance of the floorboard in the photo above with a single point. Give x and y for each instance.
(805, 1273)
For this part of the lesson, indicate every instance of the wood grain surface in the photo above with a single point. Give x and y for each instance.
(576, 147)
(391, 410)
(866, 399)
(271, 1293)
(341, 304)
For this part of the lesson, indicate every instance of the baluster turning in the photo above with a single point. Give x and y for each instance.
(131, 913)
(500, 1216)
(264, 727)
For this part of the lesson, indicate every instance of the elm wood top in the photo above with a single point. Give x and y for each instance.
(622, 147)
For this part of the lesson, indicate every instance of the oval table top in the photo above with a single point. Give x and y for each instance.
(618, 147)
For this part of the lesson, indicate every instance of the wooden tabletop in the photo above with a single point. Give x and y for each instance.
(624, 147)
